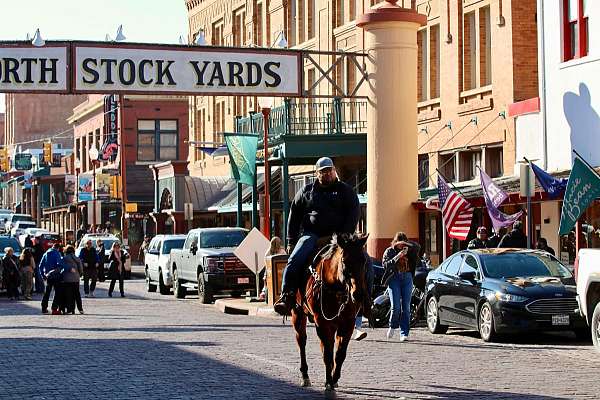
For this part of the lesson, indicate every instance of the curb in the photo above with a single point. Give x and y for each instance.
(230, 307)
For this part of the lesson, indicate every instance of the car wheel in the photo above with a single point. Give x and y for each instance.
(150, 287)
(178, 290)
(204, 290)
(162, 288)
(596, 327)
(485, 323)
(433, 318)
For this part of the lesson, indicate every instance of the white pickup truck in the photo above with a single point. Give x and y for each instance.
(587, 273)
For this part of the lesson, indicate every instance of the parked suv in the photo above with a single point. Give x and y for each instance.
(156, 262)
(587, 273)
(207, 263)
(12, 220)
(20, 227)
(108, 241)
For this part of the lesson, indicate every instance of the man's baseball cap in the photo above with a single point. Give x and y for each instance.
(324, 162)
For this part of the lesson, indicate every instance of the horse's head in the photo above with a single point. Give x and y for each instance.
(353, 263)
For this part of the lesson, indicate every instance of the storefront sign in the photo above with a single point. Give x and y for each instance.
(103, 182)
(70, 184)
(131, 207)
(168, 69)
(85, 191)
(24, 68)
(23, 161)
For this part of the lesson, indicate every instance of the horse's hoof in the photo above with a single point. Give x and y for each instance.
(329, 387)
(306, 382)
(335, 385)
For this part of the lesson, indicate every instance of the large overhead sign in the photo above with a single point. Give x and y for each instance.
(24, 68)
(90, 67)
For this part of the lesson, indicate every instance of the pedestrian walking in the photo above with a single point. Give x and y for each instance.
(400, 262)
(27, 267)
(144, 248)
(481, 241)
(542, 244)
(90, 260)
(50, 270)
(116, 270)
(515, 238)
(38, 253)
(101, 251)
(359, 333)
(72, 269)
(10, 274)
(28, 242)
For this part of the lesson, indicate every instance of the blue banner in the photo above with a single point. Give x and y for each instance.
(553, 186)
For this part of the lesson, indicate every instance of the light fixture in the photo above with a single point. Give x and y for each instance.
(108, 38)
(200, 39)
(28, 38)
(182, 40)
(37, 39)
(120, 36)
(280, 41)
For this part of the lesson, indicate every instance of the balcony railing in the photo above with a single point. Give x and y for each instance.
(309, 117)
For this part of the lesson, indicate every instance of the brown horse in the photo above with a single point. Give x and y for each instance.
(334, 295)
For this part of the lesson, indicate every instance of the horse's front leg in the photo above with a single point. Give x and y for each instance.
(327, 336)
(299, 321)
(344, 334)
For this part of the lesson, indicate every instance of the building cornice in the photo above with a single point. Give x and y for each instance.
(85, 109)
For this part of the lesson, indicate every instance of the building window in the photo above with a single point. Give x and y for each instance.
(239, 27)
(311, 19)
(428, 40)
(476, 49)
(291, 23)
(447, 166)
(575, 29)
(259, 24)
(219, 121)
(469, 161)
(217, 33)
(157, 140)
(494, 161)
(423, 171)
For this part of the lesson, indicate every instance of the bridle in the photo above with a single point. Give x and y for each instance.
(346, 293)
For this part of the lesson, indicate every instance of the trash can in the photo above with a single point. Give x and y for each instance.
(274, 273)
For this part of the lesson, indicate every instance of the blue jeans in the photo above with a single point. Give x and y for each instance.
(298, 262)
(370, 276)
(400, 291)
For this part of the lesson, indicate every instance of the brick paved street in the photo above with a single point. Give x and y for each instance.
(150, 346)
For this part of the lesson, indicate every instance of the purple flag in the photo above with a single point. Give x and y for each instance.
(494, 196)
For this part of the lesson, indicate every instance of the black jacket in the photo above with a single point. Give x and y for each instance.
(477, 244)
(514, 239)
(323, 211)
(89, 257)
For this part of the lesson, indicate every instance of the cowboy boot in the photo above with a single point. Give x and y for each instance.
(284, 305)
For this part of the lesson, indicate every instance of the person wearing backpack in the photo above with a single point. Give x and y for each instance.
(50, 271)
(72, 269)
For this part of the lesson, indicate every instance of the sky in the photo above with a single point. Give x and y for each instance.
(146, 21)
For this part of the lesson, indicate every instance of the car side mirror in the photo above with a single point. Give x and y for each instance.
(468, 275)
(193, 249)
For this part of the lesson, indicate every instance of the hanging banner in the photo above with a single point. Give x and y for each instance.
(583, 188)
(103, 182)
(70, 184)
(242, 156)
(25, 68)
(27, 181)
(494, 196)
(85, 190)
(105, 68)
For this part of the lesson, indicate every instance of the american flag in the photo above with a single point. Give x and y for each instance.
(457, 212)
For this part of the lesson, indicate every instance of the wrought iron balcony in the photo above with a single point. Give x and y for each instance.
(309, 117)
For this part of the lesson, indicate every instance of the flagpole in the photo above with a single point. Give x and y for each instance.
(445, 241)
(454, 187)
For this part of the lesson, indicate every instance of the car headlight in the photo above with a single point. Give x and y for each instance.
(510, 298)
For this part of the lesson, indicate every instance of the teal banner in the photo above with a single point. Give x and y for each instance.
(242, 156)
(583, 188)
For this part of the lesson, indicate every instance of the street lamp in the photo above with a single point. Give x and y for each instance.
(266, 103)
(200, 38)
(37, 39)
(120, 37)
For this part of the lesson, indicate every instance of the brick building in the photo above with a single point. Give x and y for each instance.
(1, 128)
(476, 57)
(38, 116)
(155, 129)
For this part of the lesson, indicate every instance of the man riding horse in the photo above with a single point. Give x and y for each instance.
(319, 210)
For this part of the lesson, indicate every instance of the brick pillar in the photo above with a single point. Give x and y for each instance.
(392, 187)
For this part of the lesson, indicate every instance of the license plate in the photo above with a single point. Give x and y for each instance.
(560, 320)
(243, 280)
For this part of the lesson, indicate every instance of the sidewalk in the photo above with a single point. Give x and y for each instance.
(241, 306)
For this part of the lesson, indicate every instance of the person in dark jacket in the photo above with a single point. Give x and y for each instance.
(319, 210)
(38, 253)
(117, 268)
(10, 274)
(494, 240)
(515, 238)
(72, 269)
(542, 244)
(51, 261)
(28, 242)
(481, 241)
(101, 251)
(89, 258)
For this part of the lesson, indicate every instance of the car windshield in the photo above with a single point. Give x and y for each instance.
(24, 224)
(172, 244)
(17, 218)
(523, 265)
(222, 238)
(9, 242)
(108, 242)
